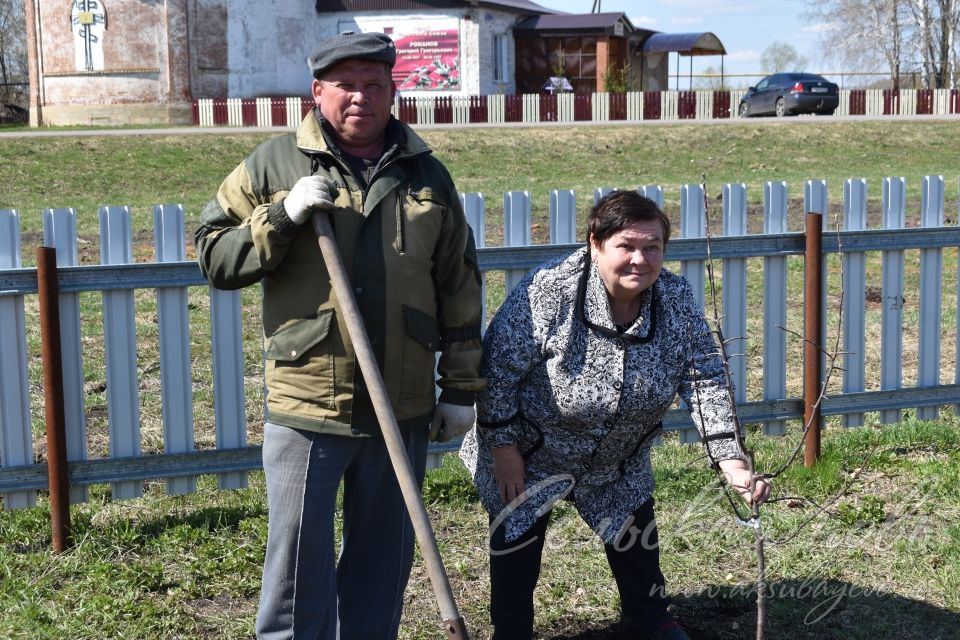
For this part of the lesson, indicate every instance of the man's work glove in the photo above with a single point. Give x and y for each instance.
(450, 421)
(311, 193)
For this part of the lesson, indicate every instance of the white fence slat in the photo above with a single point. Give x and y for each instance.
(229, 410)
(874, 100)
(516, 230)
(425, 110)
(173, 324)
(563, 216)
(496, 109)
(235, 112)
(60, 232)
(293, 108)
(120, 346)
(531, 107)
(670, 105)
(692, 225)
(474, 206)
(854, 292)
(205, 112)
(735, 289)
(264, 113)
(931, 293)
(704, 105)
(601, 192)
(891, 322)
(600, 107)
(16, 438)
(565, 107)
(774, 304)
(461, 109)
(908, 102)
(635, 106)
(652, 191)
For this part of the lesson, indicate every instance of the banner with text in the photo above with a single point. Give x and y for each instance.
(428, 52)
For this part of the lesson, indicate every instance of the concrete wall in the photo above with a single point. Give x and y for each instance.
(163, 54)
(492, 24)
(145, 62)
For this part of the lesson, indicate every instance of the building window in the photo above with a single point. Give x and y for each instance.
(499, 58)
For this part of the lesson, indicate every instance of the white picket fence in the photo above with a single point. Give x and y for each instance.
(632, 106)
(117, 277)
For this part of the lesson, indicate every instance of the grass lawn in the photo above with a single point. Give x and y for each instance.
(882, 562)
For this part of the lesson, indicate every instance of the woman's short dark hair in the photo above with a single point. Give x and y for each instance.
(618, 210)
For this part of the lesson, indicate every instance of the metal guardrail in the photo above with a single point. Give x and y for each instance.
(16, 282)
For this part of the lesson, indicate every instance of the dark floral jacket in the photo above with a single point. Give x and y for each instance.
(583, 400)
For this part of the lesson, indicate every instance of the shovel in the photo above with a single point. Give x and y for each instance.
(453, 623)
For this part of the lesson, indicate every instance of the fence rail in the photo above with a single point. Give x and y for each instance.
(570, 107)
(171, 276)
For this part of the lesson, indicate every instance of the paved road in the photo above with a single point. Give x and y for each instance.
(182, 131)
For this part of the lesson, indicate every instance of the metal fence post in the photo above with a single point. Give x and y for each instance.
(812, 337)
(57, 474)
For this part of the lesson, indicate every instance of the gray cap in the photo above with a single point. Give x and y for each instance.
(377, 47)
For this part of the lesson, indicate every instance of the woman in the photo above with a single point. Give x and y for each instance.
(582, 361)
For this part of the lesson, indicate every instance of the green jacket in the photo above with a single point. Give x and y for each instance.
(411, 259)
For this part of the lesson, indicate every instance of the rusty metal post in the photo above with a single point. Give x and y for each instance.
(812, 336)
(54, 412)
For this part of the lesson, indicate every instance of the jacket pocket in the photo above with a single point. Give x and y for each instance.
(292, 342)
(299, 367)
(422, 340)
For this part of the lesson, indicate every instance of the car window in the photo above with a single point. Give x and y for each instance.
(763, 84)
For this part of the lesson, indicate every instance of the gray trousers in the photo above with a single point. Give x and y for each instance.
(306, 593)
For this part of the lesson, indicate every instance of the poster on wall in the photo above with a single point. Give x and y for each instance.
(428, 51)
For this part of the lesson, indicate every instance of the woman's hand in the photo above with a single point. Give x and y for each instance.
(508, 471)
(739, 477)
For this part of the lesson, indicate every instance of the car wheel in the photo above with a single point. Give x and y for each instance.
(781, 108)
(744, 110)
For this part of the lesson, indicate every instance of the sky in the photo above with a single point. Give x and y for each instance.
(745, 27)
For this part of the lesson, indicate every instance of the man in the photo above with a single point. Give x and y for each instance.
(412, 263)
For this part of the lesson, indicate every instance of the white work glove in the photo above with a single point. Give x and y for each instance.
(311, 193)
(450, 421)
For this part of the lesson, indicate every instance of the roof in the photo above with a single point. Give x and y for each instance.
(521, 6)
(606, 22)
(687, 44)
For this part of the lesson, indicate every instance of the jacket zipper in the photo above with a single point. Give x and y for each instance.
(401, 231)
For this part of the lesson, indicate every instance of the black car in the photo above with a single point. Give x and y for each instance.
(790, 93)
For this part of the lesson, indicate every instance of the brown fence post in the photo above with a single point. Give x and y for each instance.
(812, 337)
(54, 412)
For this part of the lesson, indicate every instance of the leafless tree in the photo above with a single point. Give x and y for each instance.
(781, 56)
(905, 35)
(13, 49)
(862, 34)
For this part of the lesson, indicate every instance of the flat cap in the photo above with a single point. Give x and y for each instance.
(377, 47)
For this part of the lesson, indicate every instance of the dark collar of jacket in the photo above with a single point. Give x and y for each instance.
(593, 307)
